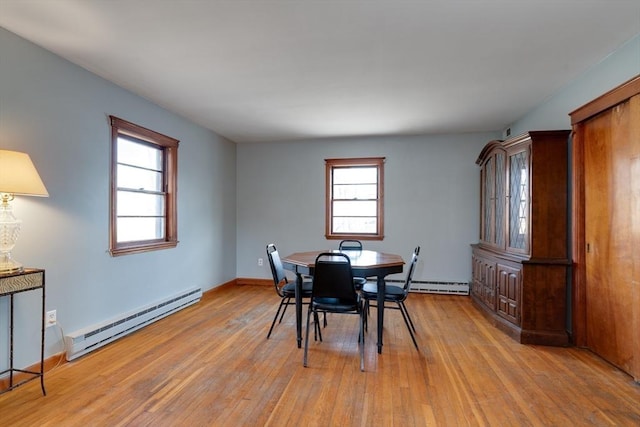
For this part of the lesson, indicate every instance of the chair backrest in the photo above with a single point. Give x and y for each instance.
(277, 270)
(333, 278)
(412, 267)
(350, 245)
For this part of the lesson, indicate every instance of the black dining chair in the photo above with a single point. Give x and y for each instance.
(333, 291)
(351, 245)
(394, 294)
(286, 290)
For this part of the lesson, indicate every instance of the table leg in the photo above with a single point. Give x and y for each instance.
(11, 346)
(42, 326)
(299, 309)
(380, 310)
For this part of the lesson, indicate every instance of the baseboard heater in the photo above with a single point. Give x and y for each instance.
(427, 287)
(90, 338)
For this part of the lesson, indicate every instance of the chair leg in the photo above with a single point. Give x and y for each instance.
(306, 339)
(362, 317)
(286, 304)
(408, 317)
(276, 317)
(316, 326)
(319, 329)
(405, 315)
(366, 315)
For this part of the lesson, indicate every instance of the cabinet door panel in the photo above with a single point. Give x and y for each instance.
(477, 285)
(489, 292)
(509, 292)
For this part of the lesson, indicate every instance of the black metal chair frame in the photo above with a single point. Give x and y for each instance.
(353, 245)
(333, 291)
(285, 289)
(395, 294)
(350, 245)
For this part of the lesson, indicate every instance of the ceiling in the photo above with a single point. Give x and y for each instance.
(256, 70)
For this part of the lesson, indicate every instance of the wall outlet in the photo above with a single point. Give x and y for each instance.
(260, 262)
(51, 318)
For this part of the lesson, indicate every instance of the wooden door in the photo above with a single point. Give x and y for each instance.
(612, 233)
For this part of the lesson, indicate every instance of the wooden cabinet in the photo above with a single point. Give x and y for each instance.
(520, 266)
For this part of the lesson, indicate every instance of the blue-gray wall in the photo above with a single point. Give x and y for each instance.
(431, 199)
(431, 183)
(617, 68)
(58, 113)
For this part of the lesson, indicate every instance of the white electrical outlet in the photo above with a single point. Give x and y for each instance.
(52, 318)
(260, 261)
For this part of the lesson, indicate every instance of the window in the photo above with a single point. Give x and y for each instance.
(355, 202)
(143, 189)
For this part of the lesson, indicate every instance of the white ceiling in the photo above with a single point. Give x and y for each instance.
(256, 70)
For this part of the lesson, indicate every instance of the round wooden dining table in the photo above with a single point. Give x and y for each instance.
(364, 263)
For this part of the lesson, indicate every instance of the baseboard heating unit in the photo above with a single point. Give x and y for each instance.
(425, 287)
(90, 338)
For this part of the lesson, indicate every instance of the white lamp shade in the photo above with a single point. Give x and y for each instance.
(19, 176)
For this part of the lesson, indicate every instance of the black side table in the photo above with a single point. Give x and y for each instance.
(10, 284)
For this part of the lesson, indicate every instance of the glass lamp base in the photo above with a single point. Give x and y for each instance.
(9, 231)
(9, 265)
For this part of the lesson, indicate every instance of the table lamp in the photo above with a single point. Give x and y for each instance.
(18, 176)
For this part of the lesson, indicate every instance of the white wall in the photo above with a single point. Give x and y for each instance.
(58, 113)
(431, 199)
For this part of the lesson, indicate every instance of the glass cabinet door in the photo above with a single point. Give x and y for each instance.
(493, 200)
(488, 176)
(518, 236)
(501, 194)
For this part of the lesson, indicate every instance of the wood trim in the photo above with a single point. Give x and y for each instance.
(578, 296)
(488, 149)
(211, 293)
(635, 206)
(139, 132)
(615, 96)
(254, 281)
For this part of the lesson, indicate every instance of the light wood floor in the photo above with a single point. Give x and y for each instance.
(211, 365)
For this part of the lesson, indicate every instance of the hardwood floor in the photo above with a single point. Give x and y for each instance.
(211, 365)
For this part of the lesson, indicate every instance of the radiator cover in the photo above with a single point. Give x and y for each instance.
(434, 287)
(90, 338)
